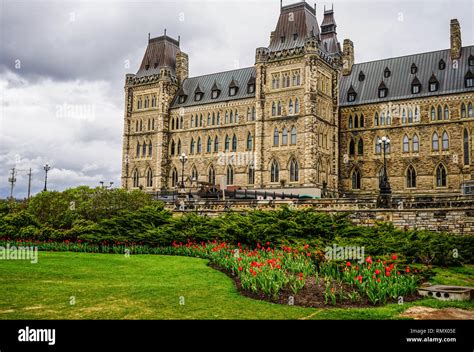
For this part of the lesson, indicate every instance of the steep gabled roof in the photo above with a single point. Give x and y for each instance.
(160, 52)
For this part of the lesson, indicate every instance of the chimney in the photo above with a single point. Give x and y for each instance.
(347, 56)
(456, 43)
(182, 67)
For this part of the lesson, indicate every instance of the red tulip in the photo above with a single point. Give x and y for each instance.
(348, 264)
(387, 273)
(394, 257)
(378, 280)
(240, 268)
(369, 260)
(407, 269)
(377, 271)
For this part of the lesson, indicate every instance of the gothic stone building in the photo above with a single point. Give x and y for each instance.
(304, 118)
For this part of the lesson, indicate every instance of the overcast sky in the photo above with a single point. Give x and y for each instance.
(63, 63)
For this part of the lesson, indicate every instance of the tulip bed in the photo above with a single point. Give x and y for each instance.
(268, 270)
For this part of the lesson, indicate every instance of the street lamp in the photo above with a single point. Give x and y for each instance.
(384, 185)
(183, 158)
(46, 168)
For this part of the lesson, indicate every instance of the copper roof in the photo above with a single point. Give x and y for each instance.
(160, 52)
(451, 79)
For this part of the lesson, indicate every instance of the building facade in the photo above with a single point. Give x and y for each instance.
(304, 119)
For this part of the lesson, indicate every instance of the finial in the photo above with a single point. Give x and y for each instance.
(148, 36)
(281, 4)
(324, 7)
(179, 39)
(332, 6)
(165, 32)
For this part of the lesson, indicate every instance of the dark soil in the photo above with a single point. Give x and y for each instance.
(312, 294)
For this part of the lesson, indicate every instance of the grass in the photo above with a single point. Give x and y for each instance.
(109, 286)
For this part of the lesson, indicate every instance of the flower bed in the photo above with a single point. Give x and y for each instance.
(276, 274)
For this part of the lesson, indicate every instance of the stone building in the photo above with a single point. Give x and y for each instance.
(303, 119)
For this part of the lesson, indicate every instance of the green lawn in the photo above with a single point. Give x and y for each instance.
(108, 286)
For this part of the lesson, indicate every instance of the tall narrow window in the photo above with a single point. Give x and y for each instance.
(355, 179)
(445, 140)
(356, 121)
(433, 113)
(290, 107)
(279, 108)
(194, 174)
(435, 142)
(406, 144)
(209, 145)
(440, 112)
(294, 171)
(208, 119)
(179, 147)
(230, 175)
(284, 136)
(227, 143)
(297, 105)
(416, 144)
(376, 119)
(378, 146)
(150, 149)
(361, 124)
(293, 135)
(251, 175)
(149, 178)
(352, 147)
(191, 147)
(446, 112)
(174, 177)
(466, 147)
(138, 150)
(276, 137)
(463, 110)
(173, 148)
(274, 172)
(192, 121)
(211, 175)
(199, 146)
(470, 112)
(234, 143)
(350, 122)
(274, 112)
(216, 144)
(382, 119)
(360, 147)
(249, 141)
(410, 115)
(404, 116)
(441, 176)
(135, 178)
(411, 177)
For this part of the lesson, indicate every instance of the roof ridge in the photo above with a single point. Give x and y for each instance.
(215, 73)
(422, 53)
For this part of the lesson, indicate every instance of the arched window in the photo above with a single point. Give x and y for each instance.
(249, 114)
(389, 118)
(361, 124)
(149, 124)
(141, 125)
(211, 175)
(441, 176)
(284, 136)
(382, 119)
(294, 171)
(253, 113)
(411, 177)
(433, 113)
(279, 108)
(173, 148)
(445, 140)
(136, 126)
(355, 179)
(318, 171)
(181, 122)
(416, 143)
(410, 115)
(216, 144)
(463, 110)
(231, 117)
(172, 123)
(435, 142)
(209, 145)
(191, 147)
(376, 119)
(249, 141)
(276, 137)
(174, 177)
(406, 144)
(293, 135)
(350, 122)
(274, 109)
(465, 144)
(218, 121)
(136, 178)
(351, 147)
(274, 172)
(470, 113)
(153, 124)
(213, 118)
(251, 175)
(440, 112)
(297, 106)
(446, 112)
(200, 120)
(149, 178)
(360, 147)
(290, 107)
(150, 149)
(230, 175)
(194, 174)
(234, 143)
(138, 149)
(179, 147)
(226, 120)
(199, 146)
(356, 121)
(192, 121)
(404, 116)
(208, 118)
(227, 143)
(378, 146)
(144, 149)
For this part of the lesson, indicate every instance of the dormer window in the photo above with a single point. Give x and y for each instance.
(282, 38)
(441, 64)
(215, 90)
(386, 72)
(383, 90)
(147, 66)
(351, 94)
(182, 99)
(415, 86)
(215, 94)
(469, 79)
(233, 87)
(295, 36)
(198, 93)
(471, 60)
(251, 88)
(433, 84)
(361, 76)
(232, 91)
(155, 65)
(413, 69)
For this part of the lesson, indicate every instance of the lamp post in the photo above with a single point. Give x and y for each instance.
(183, 158)
(384, 185)
(46, 168)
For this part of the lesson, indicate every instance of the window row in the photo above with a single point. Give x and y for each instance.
(293, 107)
(440, 177)
(144, 150)
(145, 102)
(212, 145)
(148, 178)
(466, 112)
(356, 122)
(286, 79)
(139, 125)
(284, 137)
